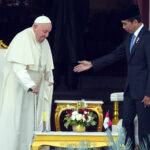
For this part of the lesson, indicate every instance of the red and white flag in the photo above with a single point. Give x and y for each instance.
(107, 122)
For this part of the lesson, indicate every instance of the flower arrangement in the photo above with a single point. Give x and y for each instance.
(79, 115)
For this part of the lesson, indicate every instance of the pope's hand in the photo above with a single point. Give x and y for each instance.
(82, 66)
(50, 83)
(35, 89)
(146, 101)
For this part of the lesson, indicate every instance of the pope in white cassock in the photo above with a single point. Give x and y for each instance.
(27, 75)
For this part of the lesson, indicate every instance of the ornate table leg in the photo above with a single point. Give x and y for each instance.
(98, 109)
(35, 146)
(59, 109)
(115, 114)
(58, 112)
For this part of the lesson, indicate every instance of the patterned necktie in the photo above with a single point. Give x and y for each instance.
(132, 42)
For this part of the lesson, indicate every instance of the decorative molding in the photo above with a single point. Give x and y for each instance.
(2, 45)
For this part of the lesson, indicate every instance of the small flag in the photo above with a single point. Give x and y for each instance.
(107, 122)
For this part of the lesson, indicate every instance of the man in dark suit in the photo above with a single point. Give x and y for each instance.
(136, 48)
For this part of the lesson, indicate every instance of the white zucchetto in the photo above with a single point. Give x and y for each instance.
(42, 19)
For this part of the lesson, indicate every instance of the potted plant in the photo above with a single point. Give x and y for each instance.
(79, 117)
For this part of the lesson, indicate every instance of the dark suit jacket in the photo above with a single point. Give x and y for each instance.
(138, 77)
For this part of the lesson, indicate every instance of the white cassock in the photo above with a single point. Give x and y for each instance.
(29, 63)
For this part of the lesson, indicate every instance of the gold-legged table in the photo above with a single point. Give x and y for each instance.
(64, 139)
(96, 106)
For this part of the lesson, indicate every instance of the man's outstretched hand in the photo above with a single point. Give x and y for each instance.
(82, 66)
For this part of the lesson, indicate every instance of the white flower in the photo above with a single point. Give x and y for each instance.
(74, 113)
(79, 117)
(73, 117)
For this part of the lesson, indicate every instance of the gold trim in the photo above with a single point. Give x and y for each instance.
(2, 45)
(66, 140)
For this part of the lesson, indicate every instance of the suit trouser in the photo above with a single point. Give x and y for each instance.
(131, 108)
